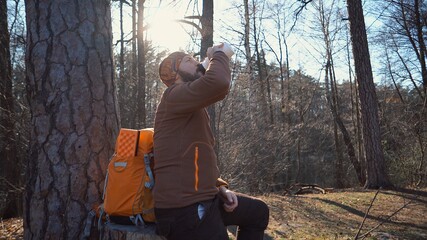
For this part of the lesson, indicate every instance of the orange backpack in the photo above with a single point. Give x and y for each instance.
(130, 179)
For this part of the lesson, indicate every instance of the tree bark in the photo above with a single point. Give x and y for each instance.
(74, 120)
(11, 207)
(207, 27)
(376, 173)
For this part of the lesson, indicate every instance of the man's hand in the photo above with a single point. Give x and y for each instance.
(214, 48)
(223, 47)
(229, 198)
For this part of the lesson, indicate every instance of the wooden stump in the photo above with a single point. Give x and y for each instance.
(113, 231)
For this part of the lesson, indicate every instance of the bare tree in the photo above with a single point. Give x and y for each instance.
(141, 92)
(404, 41)
(9, 173)
(121, 80)
(281, 35)
(376, 172)
(249, 69)
(330, 34)
(260, 86)
(74, 116)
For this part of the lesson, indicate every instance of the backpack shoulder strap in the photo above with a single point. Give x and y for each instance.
(147, 158)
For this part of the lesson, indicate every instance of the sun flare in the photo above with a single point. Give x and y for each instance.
(161, 27)
(165, 32)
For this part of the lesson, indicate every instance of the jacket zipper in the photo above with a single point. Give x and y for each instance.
(196, 171)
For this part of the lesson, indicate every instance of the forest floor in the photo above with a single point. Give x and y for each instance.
(335, 215)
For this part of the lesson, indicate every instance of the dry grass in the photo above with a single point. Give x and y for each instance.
(339, 215)
(328, 216)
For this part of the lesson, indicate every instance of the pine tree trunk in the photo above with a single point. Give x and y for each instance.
(376, 170)
(10, 203)
(74, 119)
(207, 41)
(207, 27)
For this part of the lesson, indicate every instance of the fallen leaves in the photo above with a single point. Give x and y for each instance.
(11, 229)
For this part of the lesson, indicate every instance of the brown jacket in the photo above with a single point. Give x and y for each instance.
(185, 164)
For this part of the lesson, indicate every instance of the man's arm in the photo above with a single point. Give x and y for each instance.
(208, 89)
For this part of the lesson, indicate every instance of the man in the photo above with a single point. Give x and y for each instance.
(191, 201)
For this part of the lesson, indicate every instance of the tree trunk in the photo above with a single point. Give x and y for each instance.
(298, 159)
(207, 27)
(122, 88)
(356, 121)
(346, 136)
(141, 68)
(125, 232)
(376, 172)
(248, 55)
(207, 41)
(338, 173)
(333, 103)
(134, 71)
(260, 99)
(11, 207)
(72, 96)
(269, 97)
(422, 45)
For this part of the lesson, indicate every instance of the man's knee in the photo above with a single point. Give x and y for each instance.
(263, 213)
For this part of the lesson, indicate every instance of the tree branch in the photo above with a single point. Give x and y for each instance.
(192, 24)
(14, 187)
(366, 214)
(123, 1)
(125, 41)
(193, 17)
(298, 12)
(388, 218)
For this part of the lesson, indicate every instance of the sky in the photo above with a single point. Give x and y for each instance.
(167, 34)
(162, 27)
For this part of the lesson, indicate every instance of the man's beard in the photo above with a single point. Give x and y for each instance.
(201, 69)
(188, 77)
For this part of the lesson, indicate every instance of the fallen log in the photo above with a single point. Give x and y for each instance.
(300, 188)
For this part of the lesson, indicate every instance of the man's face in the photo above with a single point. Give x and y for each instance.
(189, 69)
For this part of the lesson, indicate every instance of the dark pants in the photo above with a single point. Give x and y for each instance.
(251, 217)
